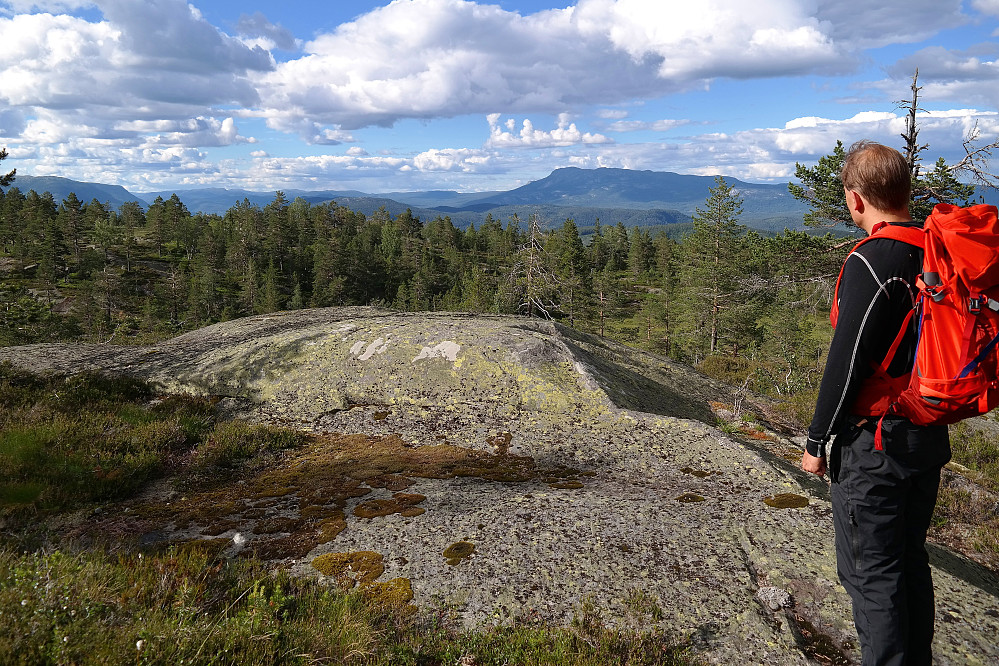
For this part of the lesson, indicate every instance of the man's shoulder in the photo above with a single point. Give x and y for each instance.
(890, 245)
(883, 257)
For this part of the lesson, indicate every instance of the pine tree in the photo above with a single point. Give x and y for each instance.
(713, 252)
(131, 216)
(822, 190)
(71, 218)
(156, 217)
(270, 297)
(7, 178)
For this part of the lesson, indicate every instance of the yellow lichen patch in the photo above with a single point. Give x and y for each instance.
(690, 497)
(786, 501)
(458, 551)
(395, 593)
(349, 568)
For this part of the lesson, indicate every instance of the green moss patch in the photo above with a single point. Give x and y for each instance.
(401, 503)
(286, 501)
(458, 551)
(688, 498)
(786, 501)
(351, 568)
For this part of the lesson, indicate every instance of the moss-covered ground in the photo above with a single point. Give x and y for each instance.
(97, 568)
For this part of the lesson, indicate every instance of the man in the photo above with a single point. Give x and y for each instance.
(882, 499)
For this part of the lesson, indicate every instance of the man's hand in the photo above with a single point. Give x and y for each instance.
(813, 464)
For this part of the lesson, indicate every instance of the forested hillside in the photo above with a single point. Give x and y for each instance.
(742, 306)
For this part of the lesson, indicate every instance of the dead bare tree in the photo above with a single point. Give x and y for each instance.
(533, 270)
(976, 159)
(911, 134)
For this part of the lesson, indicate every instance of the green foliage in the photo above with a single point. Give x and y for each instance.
(822, 190)
(186, 606)
(182, 606)
(938, 186)
(69, 441)
(713, 270)
(26, 318)
(977, 449)
(231, 442)
(7, 178)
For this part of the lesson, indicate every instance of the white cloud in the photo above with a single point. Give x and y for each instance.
(564, 134)
(201, 132)
(990, 7)
(441, 58)
(138, 93)
(664, 125)
(809, 138)
(712, 38)
(451, 159)
(612, 114)
(148, 74)
(970, 75)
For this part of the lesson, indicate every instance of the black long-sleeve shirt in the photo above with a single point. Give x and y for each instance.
(876, 292)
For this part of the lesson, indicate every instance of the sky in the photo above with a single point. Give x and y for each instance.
(416, 95)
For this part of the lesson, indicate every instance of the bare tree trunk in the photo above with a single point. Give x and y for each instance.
(911, 135)
(601, 312)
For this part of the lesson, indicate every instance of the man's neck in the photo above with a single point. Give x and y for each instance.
(873, 217)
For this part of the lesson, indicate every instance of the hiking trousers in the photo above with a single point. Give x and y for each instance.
(882, 504)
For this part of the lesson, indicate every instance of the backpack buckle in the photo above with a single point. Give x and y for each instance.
(975, 305)
(936, 293)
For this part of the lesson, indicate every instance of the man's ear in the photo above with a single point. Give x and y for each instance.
(855, 201)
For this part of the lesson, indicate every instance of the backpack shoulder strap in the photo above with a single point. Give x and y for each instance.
(912, 235)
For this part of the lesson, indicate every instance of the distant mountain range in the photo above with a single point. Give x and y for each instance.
(635, 198)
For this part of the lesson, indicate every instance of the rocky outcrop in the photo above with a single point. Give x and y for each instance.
(511, 468)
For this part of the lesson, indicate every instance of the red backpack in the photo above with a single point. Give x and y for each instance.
(956, 370)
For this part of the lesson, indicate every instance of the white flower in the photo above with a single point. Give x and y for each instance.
(139, 644)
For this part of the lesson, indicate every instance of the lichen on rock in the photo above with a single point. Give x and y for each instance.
(480, 431)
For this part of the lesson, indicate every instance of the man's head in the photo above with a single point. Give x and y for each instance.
(878, 173)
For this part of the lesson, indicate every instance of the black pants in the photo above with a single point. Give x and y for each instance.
(882, 505)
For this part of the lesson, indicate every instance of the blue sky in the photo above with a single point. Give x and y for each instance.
(476, 96)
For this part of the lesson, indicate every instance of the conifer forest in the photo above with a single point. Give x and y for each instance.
(742, 306)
